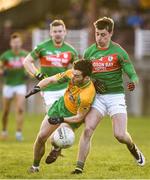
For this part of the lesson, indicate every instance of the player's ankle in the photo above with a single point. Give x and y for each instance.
(80, 165)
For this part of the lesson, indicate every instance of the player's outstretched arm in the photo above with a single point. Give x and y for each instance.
(45, 82)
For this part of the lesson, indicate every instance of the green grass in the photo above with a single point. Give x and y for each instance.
(107, 159)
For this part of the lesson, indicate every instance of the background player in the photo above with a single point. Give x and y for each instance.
(55, 56)
(12, 70)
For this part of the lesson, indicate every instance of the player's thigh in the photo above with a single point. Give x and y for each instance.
(119, 123)
(46, 129)
(19, 101)
(8, 91)
(6, 102)
(93, 118)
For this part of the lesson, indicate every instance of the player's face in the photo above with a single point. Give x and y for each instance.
(78, 78)
(16, 43)
(102, 37)
(58, 34)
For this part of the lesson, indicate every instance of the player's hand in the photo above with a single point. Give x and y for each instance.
(3, 72)
(35, 90)
(55, 120)
(39, 76)
(99, 86)
(131, 86)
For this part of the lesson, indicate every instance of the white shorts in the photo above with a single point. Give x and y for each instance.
(10, 91)
(110, 104)
(51, 96)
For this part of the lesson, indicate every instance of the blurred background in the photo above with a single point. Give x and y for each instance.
(132, 32)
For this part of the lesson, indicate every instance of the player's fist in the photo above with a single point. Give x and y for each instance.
(55, 120)
(131, 86)
(40, 76)
(35, 90)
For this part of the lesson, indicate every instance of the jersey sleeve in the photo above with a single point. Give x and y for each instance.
(64, 77)
(85, 54)
(75, 56)
(2, 58)
(35, 53)
(127, 66)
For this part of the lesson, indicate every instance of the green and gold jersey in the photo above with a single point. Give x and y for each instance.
(76, 98)
(13, 65)
(54, 60)
(109, 65)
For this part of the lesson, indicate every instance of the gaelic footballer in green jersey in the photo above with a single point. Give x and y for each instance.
(109, 61)
(55, 56)
(13, 73)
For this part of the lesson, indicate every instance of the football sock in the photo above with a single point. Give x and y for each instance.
(133, 151)
(36, 163)
(35, 167)
(80, 165)
(56, 148)
(4, 133)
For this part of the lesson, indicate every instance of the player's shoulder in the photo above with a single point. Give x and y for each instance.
(92, 46)
(118, 47)
(69, 46)
(45, 43)
(89, 50)
(7, 52)
(24, 51)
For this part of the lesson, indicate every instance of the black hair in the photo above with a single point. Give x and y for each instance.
(85, 66)
(104, 23)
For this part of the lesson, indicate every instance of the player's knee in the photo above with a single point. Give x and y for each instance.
(5, 113)
(20, 110)
(41, 139)
(88, 132)
(120, 137)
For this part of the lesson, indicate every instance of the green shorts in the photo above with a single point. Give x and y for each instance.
(58, 109)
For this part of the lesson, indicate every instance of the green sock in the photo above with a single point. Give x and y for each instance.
(36, 163)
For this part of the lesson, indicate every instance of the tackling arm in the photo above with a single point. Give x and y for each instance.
(73, 119)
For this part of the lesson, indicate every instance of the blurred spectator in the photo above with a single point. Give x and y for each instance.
(135, 20)
(77, 19)
(5, 33)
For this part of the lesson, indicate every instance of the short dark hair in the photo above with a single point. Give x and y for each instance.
(85, 66)
(57, 22)
(104, 23)
(15, 35)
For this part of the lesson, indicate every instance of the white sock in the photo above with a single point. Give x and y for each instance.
(18, 133)
(36, 167)
(4, 133)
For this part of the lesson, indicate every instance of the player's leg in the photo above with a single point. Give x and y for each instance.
(7, 94)
(6, 109)
(118, 113)
(45, 131)
(55, 150)
(20, 92)
(119, 122)
(91, 121)
(20, 108)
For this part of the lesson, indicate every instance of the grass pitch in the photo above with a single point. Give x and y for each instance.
(107, 159)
